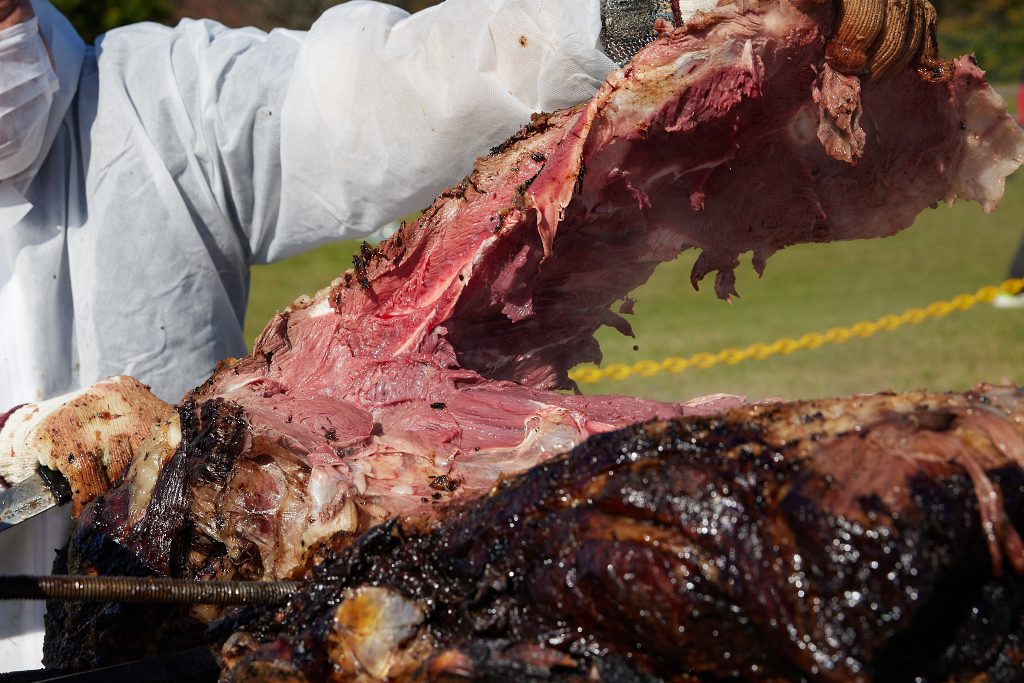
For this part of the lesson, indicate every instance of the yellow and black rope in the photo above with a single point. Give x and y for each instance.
(788, 345)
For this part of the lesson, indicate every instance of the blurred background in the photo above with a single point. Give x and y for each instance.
(93, 17)
(950, 251)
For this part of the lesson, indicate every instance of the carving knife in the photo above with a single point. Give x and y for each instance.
(38, 493)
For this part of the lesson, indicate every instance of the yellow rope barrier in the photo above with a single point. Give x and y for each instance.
(786, 346)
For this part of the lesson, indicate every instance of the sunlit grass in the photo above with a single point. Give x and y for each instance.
(815, 287)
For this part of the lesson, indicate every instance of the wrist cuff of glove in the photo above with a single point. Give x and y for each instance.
(628, 25)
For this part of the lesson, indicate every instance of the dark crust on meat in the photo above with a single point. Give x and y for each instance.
(643, 542)
(85, 635)
(213, 435)
(167, 543)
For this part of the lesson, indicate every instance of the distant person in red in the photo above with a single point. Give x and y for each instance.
(1004, 299)
(1020, 99)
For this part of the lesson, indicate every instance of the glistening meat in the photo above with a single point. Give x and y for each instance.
(432, 370)
(768, 543)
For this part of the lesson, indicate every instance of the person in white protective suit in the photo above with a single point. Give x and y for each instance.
(142, 177)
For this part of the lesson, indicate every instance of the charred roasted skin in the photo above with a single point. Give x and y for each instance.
(833, 540)
(168, 542)
(876, 39)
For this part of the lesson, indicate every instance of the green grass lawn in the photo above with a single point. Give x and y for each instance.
(814, 287)
(805, 288)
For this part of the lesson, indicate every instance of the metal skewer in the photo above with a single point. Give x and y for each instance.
(146, 590)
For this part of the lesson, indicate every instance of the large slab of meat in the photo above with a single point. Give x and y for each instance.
(438, 366)
(843, 540)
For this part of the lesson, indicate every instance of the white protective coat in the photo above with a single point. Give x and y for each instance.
(170, 160)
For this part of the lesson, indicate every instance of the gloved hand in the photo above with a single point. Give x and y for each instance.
(90, 436)
(628, 25)
(878, 38)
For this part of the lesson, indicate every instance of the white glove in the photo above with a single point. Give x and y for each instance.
(89, 435)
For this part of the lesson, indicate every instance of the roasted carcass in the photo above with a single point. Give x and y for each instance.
(432, 370)
(857, 539)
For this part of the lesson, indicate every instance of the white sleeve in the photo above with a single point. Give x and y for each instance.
(27, 86)
(384, 109)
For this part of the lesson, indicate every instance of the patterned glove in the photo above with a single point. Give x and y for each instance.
(628, 25)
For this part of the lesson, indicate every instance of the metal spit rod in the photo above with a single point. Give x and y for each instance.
(146, 590)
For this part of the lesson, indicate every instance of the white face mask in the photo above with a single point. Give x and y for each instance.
(40, 63)
(37, 101)
(27, 87)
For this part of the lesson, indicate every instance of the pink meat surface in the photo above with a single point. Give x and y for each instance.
(440, 363)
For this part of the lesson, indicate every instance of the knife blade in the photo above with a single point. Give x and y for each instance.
(43, 490)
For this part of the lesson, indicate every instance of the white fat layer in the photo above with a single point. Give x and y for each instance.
(324, 484)
(241, 384)
(777, 23)
(322, 308)
(371, 625)
(342, 516)
(548, 433)
(993, 149)
(637, 100)
(154, 451)
(485, 246)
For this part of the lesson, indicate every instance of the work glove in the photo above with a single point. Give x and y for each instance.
(873, 39)
(90, 436)
(628, 25)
